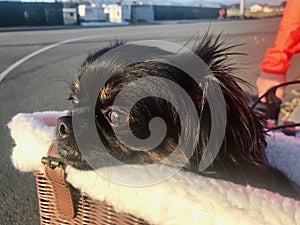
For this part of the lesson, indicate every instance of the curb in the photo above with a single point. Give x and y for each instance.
(38, 28)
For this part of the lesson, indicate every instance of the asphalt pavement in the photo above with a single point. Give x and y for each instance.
(40, 81)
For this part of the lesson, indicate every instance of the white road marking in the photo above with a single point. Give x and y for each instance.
(31, 55)
(26, 58)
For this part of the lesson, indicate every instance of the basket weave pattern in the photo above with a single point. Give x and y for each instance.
(88, 211)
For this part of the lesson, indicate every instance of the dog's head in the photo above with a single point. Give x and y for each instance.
(244, 138)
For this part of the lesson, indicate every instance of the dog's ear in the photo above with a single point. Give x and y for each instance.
(214, 51)
(244, 138)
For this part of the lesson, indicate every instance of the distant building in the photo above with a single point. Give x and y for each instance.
(70, 16)
(133, 13)
(264, 8)
(91, 14)
(148, 13)
(234, 7)
(268, 9)
(256, 8)
(118, 13)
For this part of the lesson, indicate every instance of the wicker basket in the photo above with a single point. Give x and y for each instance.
(87, 211)
(61, 203)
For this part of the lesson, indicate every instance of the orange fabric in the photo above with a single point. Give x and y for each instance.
(287, 41)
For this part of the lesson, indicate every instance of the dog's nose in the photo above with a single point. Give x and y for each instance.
(64, 126)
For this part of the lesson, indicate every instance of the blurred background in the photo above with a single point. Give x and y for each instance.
(100, 12)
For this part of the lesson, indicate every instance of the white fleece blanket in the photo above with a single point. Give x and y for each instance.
(184, 198)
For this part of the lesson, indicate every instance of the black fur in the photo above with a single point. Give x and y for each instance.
(241, 158)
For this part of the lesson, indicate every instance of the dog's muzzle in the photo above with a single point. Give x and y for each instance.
(64, 127)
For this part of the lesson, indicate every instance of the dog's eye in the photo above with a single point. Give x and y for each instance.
(117, 118)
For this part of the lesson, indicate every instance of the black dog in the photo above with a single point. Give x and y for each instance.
(241, 158)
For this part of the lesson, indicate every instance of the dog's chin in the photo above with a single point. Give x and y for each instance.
(74, 160)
